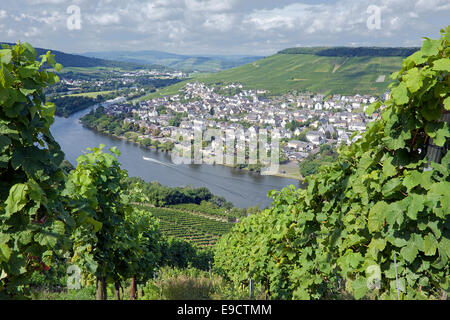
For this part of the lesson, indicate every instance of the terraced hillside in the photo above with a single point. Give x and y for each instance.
(191, 227)
(308, 72)
(319, 70)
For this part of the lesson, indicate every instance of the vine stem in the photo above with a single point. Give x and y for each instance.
(396, 277)
(414, 140)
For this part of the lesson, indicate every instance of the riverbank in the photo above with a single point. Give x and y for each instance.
(240, 187)
(290, 168)
(289, 172)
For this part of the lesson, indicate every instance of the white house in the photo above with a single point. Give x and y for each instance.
(300, 145)
(315, 137)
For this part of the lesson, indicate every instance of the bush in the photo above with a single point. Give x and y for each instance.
(87, 293)
(186, 288)
(194, 284)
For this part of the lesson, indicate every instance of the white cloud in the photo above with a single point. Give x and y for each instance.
(104, 19)
(308, 18)
(10, 33)
(32, 32)
(214, 26)
(43, 17)
(210, 5)
(344, 17)
(395, 23)
(34, 2)
(158, 11)
(52, 18)
(220, 22)
(432, 5)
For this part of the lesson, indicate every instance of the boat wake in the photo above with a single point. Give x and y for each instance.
(158, 162)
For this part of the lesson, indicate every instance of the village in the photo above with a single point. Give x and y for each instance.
(304, 121)
(115, 80)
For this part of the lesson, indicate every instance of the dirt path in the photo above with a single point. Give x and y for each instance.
(336, 67)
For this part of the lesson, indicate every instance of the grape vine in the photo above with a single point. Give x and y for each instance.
(32, 216)
(386, 195)
(113, 241)
(46, 215)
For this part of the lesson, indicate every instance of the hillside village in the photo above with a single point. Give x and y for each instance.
(318, 120)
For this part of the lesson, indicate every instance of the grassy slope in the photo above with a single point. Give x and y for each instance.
(280, 73)
(166, 91)
(283, 72)
(92, 69)
(89, 94)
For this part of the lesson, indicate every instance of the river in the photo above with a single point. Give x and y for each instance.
(242, 188)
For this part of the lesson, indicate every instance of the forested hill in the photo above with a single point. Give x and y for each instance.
(353, 51)
(74, 60)
(186, 63)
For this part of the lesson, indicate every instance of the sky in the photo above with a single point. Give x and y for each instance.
(250, 27)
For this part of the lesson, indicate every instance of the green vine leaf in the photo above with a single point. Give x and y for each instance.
(413, 80)
(430, 245)
(17, 199)
(442, 65)
(400, 94)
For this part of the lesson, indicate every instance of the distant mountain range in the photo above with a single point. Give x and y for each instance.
(187, 63)
(75, 60)
(149, 59)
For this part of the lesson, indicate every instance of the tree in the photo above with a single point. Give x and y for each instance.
(302, 136)
(167, 146)
(309, 167)
(156, 132)
(118, 131)
(126, 126)
(176, 120)
(147, 142)
(32, 216)
(293, 125)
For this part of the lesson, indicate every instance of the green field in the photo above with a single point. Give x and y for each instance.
(191, 227)
(92, 69)
(90, 94)
(166, 91)
(96, 72)
(306, 72)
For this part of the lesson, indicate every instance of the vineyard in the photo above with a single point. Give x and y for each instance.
(210, 210)
(372, 225)
(191, 227)
(375, 223)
